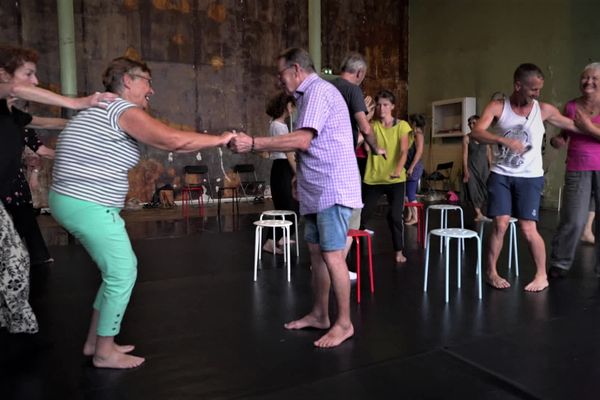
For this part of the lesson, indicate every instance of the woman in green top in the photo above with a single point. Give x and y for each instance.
(387, 175)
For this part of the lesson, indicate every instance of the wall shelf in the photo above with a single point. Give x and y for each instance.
(449, 117)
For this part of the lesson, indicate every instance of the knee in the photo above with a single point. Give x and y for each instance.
(529, 230)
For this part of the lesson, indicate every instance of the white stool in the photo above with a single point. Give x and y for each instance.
(282, 214)
(444, 209)
(512, 239)
(272, 223)
(446, 235)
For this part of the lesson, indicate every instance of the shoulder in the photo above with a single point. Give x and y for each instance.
(548, 110)
(403, 126)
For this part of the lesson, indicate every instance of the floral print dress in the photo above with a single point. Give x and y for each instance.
(15, 312)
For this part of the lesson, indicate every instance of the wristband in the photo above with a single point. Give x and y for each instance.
(252, 148)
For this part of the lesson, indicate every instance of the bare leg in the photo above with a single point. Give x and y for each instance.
(349, 240)
(495, 247)
(89, 348)
(588, 234)
(342, 329)
(413, 216)
(318, 317)
(538, 251)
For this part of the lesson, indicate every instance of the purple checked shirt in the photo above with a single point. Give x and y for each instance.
(327, 172)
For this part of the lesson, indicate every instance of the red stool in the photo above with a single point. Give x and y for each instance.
(186, 198)
(420, 222)
(356, 234)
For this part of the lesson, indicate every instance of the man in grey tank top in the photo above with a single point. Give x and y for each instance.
(516, 182)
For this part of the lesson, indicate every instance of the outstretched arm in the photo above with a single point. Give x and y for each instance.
(39, 95)
(139, 125)
(298, 140)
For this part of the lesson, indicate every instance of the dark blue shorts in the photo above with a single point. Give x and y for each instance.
(517, 197)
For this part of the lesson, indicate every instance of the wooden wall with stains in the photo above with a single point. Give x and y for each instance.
(213, 62)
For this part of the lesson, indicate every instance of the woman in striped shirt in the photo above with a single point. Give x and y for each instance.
(93, 157)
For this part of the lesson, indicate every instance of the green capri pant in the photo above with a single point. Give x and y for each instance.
(101, 230)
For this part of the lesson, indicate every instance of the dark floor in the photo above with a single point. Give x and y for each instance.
(209, 332)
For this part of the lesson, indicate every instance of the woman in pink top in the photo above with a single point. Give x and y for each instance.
(582, 178)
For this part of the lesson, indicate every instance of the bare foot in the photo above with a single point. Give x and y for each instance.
(496, 281)
(270, 248)
(400, 257)
(281, 242)
(537, 284)
(90, 348)
(335, 336)
(588, 238)
(308, 321)
(117, 360)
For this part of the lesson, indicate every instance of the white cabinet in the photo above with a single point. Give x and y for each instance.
(449, 117)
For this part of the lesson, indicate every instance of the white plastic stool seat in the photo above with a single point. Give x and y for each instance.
(283, 214)
(512, 240)
(453, 233)
(444, 209)
(272, 223)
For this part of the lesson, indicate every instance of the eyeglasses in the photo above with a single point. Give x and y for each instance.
(279, 73)
(143, 77)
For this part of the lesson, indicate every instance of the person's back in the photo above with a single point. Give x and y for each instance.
(354, 99)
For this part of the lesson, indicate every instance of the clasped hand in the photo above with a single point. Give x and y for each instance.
(240, 143)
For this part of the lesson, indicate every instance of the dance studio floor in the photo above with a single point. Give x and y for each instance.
(209, 332)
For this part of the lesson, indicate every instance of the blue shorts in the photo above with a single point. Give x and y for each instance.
(328, 228)
(514, 196)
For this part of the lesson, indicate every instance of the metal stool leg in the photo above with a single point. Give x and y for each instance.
(479, 266)
(447, 243)
(371, 264)
(257, 242)
(426, 263)
(458, 261)
(357, 269)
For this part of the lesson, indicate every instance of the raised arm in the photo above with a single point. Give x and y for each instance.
(137, 123)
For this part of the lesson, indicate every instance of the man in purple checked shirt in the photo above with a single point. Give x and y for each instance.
(328, 186)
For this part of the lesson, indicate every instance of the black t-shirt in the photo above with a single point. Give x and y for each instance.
(11, 143)
(353, 96)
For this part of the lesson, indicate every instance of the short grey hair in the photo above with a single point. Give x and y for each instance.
(594, 65)
(296, 55)
(353, 63)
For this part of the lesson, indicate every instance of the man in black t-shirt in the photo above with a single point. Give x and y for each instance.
(353, 72)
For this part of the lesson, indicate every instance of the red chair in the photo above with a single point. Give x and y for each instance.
(356, 234)
(193, 177)
(420, 222)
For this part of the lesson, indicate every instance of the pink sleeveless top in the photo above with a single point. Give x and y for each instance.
(583, 153)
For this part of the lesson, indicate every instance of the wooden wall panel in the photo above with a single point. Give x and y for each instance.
(213, 62)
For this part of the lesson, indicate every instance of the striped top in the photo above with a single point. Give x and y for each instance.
(94, 156)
